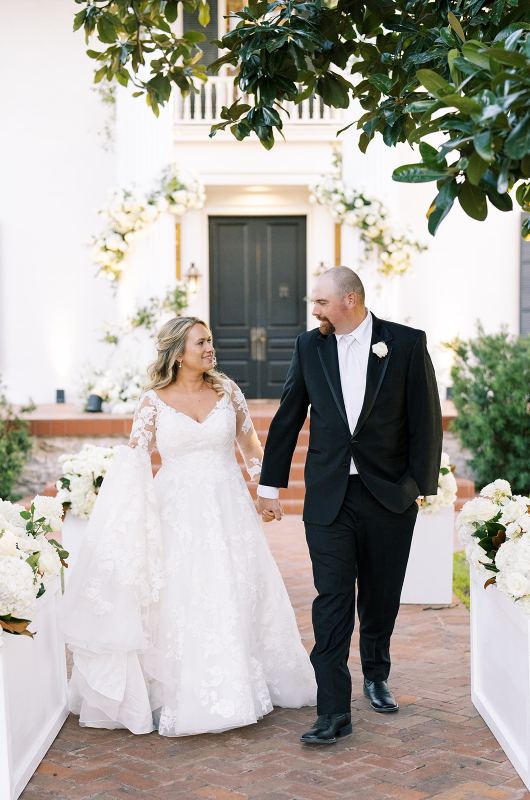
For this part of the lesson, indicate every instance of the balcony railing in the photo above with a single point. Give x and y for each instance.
(205, 107)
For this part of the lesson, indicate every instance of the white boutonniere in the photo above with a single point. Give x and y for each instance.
(380, 349)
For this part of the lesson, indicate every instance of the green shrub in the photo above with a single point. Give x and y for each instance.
(15, 445)
(491, 392)
(461, 577)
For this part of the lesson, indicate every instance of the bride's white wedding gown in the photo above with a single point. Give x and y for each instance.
(176, 613)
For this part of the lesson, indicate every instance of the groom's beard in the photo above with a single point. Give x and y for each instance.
(326, 327)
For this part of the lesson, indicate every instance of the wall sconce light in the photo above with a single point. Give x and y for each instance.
(193, 278)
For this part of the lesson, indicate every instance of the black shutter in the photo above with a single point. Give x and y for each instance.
(524, 286)
(189, 21)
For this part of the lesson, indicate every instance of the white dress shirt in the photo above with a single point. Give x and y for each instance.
(353, 351)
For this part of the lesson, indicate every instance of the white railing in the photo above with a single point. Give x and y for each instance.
(220, 91)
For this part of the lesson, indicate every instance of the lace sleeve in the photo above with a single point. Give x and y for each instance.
(246, 436)
(143, 431)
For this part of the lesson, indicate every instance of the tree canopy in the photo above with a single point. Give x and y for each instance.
(460, 70)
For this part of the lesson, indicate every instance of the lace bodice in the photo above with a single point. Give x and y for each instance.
(180, 438)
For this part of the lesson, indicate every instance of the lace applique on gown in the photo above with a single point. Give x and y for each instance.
(184, 625)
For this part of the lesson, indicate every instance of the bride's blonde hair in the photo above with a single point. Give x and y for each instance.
(170, 344)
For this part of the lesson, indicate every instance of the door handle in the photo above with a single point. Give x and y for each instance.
(258, 344)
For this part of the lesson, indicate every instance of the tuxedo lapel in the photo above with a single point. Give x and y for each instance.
(327, 351)
(375, 371)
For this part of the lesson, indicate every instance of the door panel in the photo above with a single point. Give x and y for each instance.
(257, 297)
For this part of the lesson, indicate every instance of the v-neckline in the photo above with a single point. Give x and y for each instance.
(183, 414)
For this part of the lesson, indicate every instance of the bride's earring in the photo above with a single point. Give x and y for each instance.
(179, 364)
(214, 362)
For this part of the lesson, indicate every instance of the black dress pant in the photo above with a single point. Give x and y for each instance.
(370, 544)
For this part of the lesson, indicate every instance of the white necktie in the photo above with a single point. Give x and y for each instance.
(352, 378)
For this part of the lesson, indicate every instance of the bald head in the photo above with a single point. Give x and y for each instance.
(345, 281)
(338, 300)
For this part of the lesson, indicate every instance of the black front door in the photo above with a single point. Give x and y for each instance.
(257, 297)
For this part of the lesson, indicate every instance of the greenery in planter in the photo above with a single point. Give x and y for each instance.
(417, 67)
(461, 577)
(491, 392)
(15, 445)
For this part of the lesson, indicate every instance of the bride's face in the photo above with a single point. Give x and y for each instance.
(198, 351)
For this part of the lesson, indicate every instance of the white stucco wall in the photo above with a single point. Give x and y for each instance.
(55, 175)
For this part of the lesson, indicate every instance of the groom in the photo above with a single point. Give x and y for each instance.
(374, 447)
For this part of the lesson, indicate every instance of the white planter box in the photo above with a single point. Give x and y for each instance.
(33, 696)
(500, 671)
(72, 535)
(429, 576)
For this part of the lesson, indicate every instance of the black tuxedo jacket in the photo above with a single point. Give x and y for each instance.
(397, 443)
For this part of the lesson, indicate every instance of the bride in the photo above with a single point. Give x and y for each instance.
(176, 614)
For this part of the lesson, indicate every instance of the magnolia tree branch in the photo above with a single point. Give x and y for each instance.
(417, 68)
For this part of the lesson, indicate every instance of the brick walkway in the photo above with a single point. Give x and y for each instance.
(435, 747)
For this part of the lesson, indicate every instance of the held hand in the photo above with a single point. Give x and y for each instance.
(269, 509)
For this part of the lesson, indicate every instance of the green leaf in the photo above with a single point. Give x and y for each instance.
(25, 515)
(507, 57)
(382, 82)
(442, 204)
(204, 14)
(476, 168)
(79, 19)
(464, 104)
(474, 52)
(171, 10)
(106, 30)
(473, 201)
(161, 86)
(482, 143)
(194, 37)
(517, 145)
(434, 83)
(417, 173)
(430, 154)
(456, 26)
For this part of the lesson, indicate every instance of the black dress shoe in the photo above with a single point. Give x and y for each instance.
(380, 696)
(327, 729)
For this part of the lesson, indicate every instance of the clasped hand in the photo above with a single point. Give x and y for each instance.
(269, 509)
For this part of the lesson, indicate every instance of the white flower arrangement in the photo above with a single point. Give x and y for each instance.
(129, 212)
(119, 388)
(82, 475)
(29, 559)
(494, 529)
(392, 249)
(447, 489)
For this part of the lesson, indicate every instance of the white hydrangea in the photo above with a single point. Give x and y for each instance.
(49, 562)
(18, 590)
(480, 509)
(8, 543)
(513, 509)
(10, 515)
(51, 508)
(83, 471)
(512, 557)
(497, 490)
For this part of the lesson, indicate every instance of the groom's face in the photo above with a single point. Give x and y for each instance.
(329, 308)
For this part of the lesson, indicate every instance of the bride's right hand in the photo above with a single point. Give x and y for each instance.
(269, 509)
